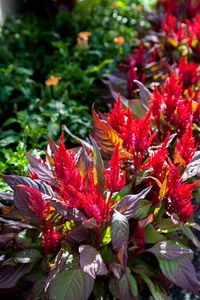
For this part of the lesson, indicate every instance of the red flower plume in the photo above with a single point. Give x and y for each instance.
(115, 180)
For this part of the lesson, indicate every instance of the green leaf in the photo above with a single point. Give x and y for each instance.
(71, 285)
(189, 234)
(67, 281)
(113, 288)
(28, 256)
(152, 235)
(128, 204)
(143, 209)
(132, 285)
(155, 290)
(106, 236)
(107, 254)
(124, 290)
(98, 68)
(181, 272)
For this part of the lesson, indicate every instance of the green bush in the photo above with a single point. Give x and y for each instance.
(33, 49)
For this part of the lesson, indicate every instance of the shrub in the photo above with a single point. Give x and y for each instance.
(33, 50)
(111, 216)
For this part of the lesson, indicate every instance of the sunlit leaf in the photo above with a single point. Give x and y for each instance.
(181, 272)
(128, 204)
(91, 261)
(120, 235)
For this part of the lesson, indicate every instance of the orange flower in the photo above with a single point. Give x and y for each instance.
(53, 81)
(119, 40)
(83, 37)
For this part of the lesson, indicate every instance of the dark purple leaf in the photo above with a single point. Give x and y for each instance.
(22, 201)
(116, 269)
(5, 239)
(128, 204)
(10, 275)
(169, 250)
(112, 79)
(66, 281)
(66, 212)
(78, 234)
(181, 272)
(127, 286)
(83, 162)
(120, 235)
(42, 170)
(13, 180)
(145, 95)
(77, 139)
(6, 196)
(91, 261)
(16, 223)
(51, 145)
(90, 223)
(122, 98)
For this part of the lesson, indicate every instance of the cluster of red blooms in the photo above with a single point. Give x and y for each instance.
(140, 145)
(188, 8)
(147, 152)
(178, 39)
(167, 107)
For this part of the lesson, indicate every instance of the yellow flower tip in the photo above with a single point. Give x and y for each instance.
(119, 40)
(52, 81)
(194, 106)
(83, 37)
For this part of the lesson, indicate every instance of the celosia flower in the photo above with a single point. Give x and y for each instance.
(188, 72)
(117, 117)
(185, 148)
(170, 6)
(115, 178)
(50, 239)
(83, 37)
(52, 81)
(77, 192)
(174, 111)
(179, 196)
(119, 40)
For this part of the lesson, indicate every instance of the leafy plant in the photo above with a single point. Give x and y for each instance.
(34, 50)
(110, 216)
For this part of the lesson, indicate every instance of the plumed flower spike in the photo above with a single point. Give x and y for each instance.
(185, 149)
(75, 191)
(188, 72)
(179, 197)
(116, 117)
(157, 160)
(50, 239)
(115, 178)
(65, 168)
